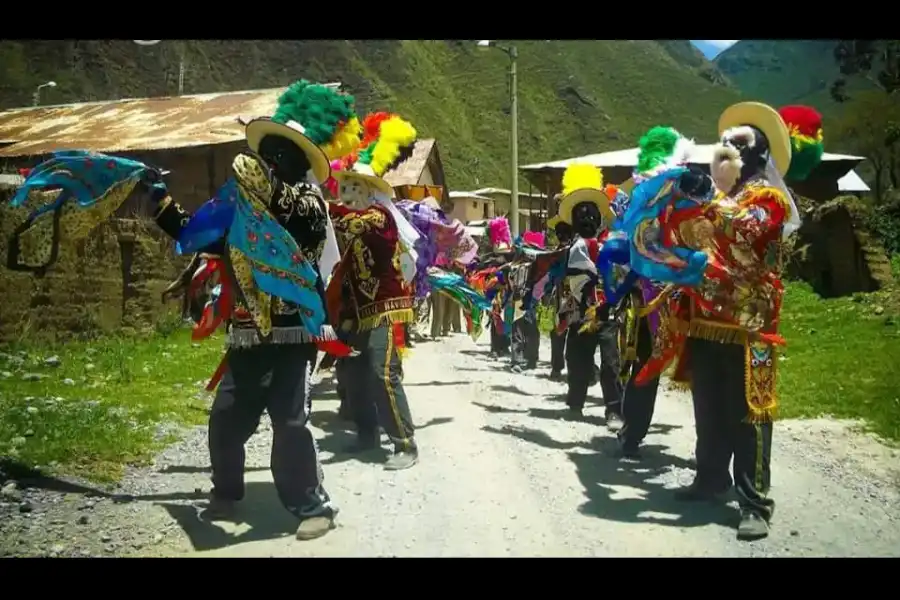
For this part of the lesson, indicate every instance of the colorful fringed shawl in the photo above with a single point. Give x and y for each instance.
(473, 303)
(66, 197)
(442, 242)
(255, 238)
(652, 204)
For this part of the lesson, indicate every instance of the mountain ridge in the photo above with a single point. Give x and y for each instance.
(575, 97)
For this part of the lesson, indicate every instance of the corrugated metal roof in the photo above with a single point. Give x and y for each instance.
(410, 171)
(503, 192)
(134, 124)
(852, 182)
(702, 155)
(11, 180)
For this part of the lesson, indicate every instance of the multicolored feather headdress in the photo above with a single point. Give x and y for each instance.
(319, 119)
(388, 136)
(807, 141)
(498, 232)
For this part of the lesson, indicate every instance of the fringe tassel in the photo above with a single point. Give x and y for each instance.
(403, 315)
(245, 337)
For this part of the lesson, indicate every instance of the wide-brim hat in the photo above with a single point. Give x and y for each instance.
(259, 128)
(364, 172)
(576, 197)
(769, 122)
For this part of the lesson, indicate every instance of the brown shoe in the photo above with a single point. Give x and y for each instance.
(314, 527)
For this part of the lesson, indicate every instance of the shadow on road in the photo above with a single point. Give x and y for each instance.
(340, 434)
(260, 510)
(436, 383)
(510, 389)
(606, 478)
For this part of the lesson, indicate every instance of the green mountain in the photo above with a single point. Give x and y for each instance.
(575, 97)
(781, 72)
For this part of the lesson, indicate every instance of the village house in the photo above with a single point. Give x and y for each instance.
(496, 202)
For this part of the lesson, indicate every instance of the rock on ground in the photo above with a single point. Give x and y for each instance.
(501, 474)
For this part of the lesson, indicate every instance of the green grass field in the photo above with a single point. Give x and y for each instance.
(842, 359)
(109, 403)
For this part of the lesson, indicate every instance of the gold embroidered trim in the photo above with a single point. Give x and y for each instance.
(405, 315)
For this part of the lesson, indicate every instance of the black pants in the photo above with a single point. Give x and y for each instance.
(580, 348)
(271, 377)
(499, 341)
(526, 342)
(610, 366)
(720, 415)
(340, 374)
(375, 389)
(638, 401)
(558, 350)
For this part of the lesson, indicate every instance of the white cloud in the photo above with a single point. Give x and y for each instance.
(721, 44)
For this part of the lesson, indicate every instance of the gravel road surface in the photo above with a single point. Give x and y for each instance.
(501, 474)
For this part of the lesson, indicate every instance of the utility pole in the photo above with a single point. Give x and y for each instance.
(36, 97)
(513, 54)
(514, 142)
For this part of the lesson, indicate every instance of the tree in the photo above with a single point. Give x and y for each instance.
(878, 61)
(870, 127)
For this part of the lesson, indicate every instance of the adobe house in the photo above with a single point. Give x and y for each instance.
(469, 206)
(115, 277)
(533, 208)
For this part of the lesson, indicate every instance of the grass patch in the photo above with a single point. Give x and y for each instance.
(109, 403)
(841, 358)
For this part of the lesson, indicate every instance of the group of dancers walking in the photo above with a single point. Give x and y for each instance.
(307, 249)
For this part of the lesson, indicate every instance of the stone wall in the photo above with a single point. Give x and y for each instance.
(111, 281)
(835, 253)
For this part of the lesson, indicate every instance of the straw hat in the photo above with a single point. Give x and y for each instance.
(259, 128)
(583, 183)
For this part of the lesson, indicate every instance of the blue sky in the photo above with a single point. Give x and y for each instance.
(711, 48)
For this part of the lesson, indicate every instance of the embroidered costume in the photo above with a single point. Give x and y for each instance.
(731, 318)
(585, 205)
(371, 296)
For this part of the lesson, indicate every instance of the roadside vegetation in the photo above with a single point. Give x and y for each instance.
(842, 357)
(88, 409)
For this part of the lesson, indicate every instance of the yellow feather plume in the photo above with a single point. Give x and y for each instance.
(579, 177)
(394, 134)
(345, 141)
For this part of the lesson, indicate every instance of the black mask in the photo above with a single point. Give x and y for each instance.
(287, 161)
(754, 154)
(586, 219)
(564, 232)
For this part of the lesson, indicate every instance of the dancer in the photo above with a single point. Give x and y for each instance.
(498, 289)
(731, 319)
(374, 284)
(586, 207)
(273, 321)
(525, 338)
(660, 149)
(562, 304)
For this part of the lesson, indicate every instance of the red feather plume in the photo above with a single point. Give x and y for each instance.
(804, 120)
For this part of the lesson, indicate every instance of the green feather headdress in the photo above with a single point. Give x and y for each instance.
(660, 149)
(328, 116)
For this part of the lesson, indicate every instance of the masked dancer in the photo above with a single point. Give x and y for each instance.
(374, 284)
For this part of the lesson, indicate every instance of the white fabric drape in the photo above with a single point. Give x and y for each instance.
(794, 221)
(408, 236)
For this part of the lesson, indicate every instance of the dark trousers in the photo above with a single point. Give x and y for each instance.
(271, 377)
(499, 341)
(558, 350)
(526, 342)
(610, 366)
(375, 389)
(340, 374)
(720, 415)
(638, 401)
(580, 348)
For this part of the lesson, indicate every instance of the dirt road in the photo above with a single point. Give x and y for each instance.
(501, 474)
